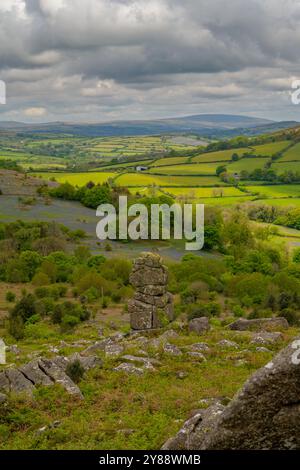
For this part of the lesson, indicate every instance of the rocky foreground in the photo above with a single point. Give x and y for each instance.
(264, 414)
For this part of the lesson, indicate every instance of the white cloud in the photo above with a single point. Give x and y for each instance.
(35, 112)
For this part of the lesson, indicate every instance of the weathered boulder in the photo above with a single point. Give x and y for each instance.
(114, 349)
(58, 376)
(267, 337)
(35, 374)
(151, 306)
(18, 383)
(195, 429)
(226, 343)
(45, 372)
(172, 349)
(200, 347)
(265, 414)
(259, 324)
(129, 369)
(199, 325)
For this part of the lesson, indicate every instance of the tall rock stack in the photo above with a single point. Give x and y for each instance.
(151, 306)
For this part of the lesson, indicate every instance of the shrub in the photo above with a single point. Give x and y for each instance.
(69, 321)
(10, 296)
(291, 315)
(238, 311)
(75, 371)
(210, 309)
(40, 279)
(16, 327)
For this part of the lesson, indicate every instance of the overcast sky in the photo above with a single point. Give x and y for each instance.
(101, 60)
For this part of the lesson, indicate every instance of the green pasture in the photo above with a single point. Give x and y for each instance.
(222, 155)
(190, 169)
(276, 191)
(292, 154)
(271, 148)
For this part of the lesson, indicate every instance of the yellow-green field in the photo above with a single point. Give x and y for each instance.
(196, 193)
(77, 179)
(142, 179)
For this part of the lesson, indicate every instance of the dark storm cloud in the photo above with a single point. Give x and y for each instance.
(148, 57)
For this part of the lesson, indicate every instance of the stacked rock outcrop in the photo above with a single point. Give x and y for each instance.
(152, 305)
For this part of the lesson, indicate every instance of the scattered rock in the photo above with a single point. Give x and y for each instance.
(172, 349)
(199, 325)
(200, 347)
(260, 324)
(114, 349)
(225, 343)
(14, 349)
(129, 369)
(144, 360)
(262, 349)
(266, 337)
(117, 336)
(98, 346)
(197, 355)
(181, 374)
(151, 305)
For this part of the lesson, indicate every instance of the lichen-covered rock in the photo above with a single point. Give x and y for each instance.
(199, 325)
(129, 369)
(18, 383)
(35, 374)
(267, 337)
(194, 429)
(45, 372)
(60, 377)
(152, 306)
(259, 324)
(265, 414)
(172, 349)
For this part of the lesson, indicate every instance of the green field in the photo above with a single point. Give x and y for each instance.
(118, 166)
(281, 168)
(223, 155)
(169, 161)
(292, 154)
(271, 148)
(286, 203)
(276, 191)
(190, 169)
(196, 193)
(247, 164)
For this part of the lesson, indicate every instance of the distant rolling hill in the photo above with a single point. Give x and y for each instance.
(206, 125)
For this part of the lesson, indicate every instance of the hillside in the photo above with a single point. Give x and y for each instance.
(207, 125)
